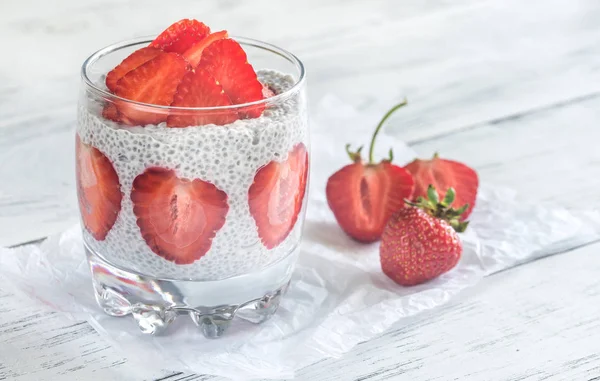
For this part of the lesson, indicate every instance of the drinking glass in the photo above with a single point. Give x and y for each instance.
(202, 220)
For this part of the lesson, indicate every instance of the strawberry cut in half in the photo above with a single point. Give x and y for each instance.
(194, 53)
(444, 174)
(98, 190)
(363, 196)
(226, 61)
(276, 196)
(154, 82)
(178, 218)
(180, 36)
(133, 61)
(200, 89)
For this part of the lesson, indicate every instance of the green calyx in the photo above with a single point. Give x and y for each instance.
(356, 155)
(442, 209)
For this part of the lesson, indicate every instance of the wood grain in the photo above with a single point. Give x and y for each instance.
(508, 86)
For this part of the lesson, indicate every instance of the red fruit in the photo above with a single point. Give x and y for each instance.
(180, 36)
(155, 82)
(136, 59)
(200, 89)
(276, 196)
(421, 244)
(98, 190)
(178, 218)
(194, 53)
(363, 196)
(444, 174)
(227, 62)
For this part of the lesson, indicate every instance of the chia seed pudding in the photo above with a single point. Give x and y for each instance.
(227, 156)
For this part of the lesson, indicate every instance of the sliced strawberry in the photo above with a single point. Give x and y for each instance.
(364, 197)
(276, 196)
(227, 62)
(200, 89)
(180, 36)
(98, 190)
(194, 53)
(135, 59)
(444, 174)
(154, 82)
(178, 218)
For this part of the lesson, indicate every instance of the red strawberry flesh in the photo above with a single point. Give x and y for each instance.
(177, 217)
(200, 89)
(276, 196)
(154, 82)
(98, 190)
(180, 36)
(363, 197)
(444, 174)
(226, 61)
(136, 59)
(194, 53)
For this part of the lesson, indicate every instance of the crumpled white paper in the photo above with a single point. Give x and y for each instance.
(338, 296)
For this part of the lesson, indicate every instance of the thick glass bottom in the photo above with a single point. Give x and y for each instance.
(212, 305)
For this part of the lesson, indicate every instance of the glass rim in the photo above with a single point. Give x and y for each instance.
(242, 40)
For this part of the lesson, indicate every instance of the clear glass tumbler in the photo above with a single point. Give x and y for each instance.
(203, 220)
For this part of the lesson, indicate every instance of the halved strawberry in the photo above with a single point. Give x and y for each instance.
(200, 89)
(181, 36)
(276, 196)
(194, 53)
(363, 196)
(227, 62)
(135, 59)
(444, 174)
(177, 217)
(98, 190)
(155, 82)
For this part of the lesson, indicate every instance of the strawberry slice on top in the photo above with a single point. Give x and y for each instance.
(200, 89)
(276, 196)
(194, 53)
(154, 82)
(444, 174)
(178, 217)
(226, 60)
(363, 196)
(98, 190)
(134, 60)
(180, 36)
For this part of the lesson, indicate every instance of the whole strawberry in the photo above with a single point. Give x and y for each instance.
(420, 242)
(364, 195)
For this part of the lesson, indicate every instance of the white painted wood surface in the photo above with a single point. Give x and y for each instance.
(509, 86)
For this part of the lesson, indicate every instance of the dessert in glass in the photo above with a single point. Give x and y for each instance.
(192, 171)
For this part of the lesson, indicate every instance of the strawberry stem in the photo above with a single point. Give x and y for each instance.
(385, 117)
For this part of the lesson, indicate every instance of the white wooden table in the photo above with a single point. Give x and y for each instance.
(510, 86)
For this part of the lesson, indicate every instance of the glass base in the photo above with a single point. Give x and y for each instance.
(212, 305)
